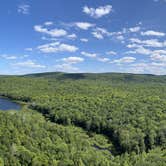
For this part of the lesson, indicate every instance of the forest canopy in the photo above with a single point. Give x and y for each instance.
(84, 119)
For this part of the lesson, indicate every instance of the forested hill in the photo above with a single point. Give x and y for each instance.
(107, 119)
(113, 77)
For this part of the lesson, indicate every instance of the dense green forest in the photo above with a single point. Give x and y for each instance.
(84, 120)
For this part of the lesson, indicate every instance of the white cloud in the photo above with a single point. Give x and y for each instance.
(117, 33)
(8, 57)
(124, 60)
(72, 36)
(84, 25)
(66, 67)
(84, 40)
(120, 37)
(103, 31)
(134, 29)
(39, 28)
(52, 32)
(133, 45)
(139, 67)
(48, 23)
(103, 59)
(111, 53)
(142, 50)
(49, 48)
(154, 54)
(139, 64)
(153, 68)
(23, 9)
(13, 57)
(73, 60)
(99, 33)
(125, 31)
(67, 47)
(153, 33)
(97, 12)
(159, 52)
(96, 56)
(148, 43)
(159, 64)
(158, 57)
(91, 55)
(57, 47)
(29, 64)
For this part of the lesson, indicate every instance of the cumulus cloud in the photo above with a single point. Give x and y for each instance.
(153, 33)
(66, 67)
(51, 32)
(84, 25)
(23, 9)
(13, 57)
(100, 33)
(125, 31)
(57, 47)
(8, 57)
(29, 64)
(135, 29)
(121, 38)
(158, 57)
(72, 36)
(48, 23)
(95, 56)
(68, 64)
(73, 60)
(111, 53)
(97, 35)
(139, 50)
(148, 43)
(103, 59)
(143, 51)
(148, 67)
(97, 12)
(159, 52)
(124, 60)
(154, 54)
(91, 55)
(84, 40)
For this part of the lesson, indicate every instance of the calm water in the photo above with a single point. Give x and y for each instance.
(7, 104)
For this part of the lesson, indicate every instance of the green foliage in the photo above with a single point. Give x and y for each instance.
(27, 139)
(130, 110)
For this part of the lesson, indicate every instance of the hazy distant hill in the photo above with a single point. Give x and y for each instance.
(113, 77)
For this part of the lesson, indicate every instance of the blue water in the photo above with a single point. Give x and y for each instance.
(7, 104)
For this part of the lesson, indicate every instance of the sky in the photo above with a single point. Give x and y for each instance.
(77, 36)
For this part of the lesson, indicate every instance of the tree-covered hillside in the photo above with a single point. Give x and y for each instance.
(127, 111)
(27, 139)
(112, 77)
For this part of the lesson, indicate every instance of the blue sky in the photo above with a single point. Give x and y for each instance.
(83, 36)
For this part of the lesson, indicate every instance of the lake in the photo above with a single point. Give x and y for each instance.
(7, 104)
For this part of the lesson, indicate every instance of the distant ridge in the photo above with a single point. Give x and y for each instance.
(122, 77)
